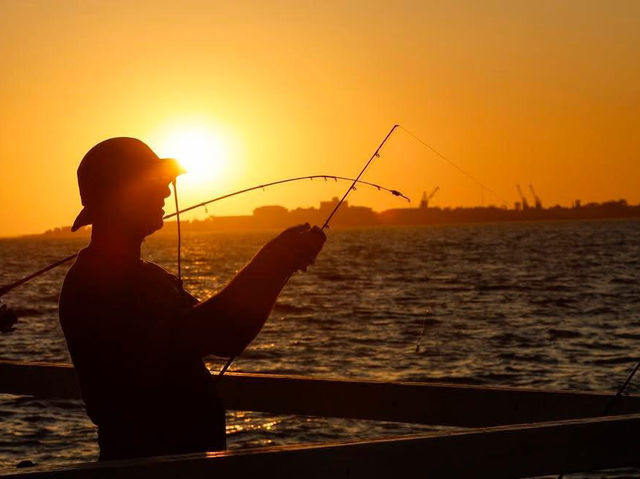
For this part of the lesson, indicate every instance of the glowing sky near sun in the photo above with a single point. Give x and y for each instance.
(540, 92)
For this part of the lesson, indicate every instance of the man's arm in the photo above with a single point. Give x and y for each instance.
(227, 322)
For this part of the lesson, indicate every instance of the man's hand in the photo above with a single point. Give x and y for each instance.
(228, 321)
(296, 248)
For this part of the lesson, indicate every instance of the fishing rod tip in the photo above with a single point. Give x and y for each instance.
(401, 195)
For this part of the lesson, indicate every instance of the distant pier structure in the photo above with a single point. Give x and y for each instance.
(536, 198)
(424, 203)
(523, 200)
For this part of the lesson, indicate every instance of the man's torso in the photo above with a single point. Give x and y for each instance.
(147, 394)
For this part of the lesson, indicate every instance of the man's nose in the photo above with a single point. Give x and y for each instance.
(166, 192)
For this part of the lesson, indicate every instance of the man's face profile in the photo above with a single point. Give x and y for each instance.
(138, 209)
(123, 185)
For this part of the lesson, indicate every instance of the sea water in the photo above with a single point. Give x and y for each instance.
(550, 305)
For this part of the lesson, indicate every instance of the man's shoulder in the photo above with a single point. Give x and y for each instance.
(157, 270)
(93, 281)
(170, 280)
(92, 270)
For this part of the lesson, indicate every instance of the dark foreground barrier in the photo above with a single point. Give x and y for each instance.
(504, 451)
(532, 433)
(419, 403)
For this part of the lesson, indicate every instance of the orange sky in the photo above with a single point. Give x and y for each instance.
(541, 92)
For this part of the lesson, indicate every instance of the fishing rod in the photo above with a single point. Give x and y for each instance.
(287, 180)
(376, 154)
(622, 390)
(9, 287)
(5, 289)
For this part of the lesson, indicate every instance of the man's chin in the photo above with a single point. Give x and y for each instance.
(153, 227)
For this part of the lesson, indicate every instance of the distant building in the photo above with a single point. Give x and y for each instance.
(328, 206)
(270, 216)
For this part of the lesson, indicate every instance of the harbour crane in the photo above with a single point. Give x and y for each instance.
(525, 203)
(424, 203)
(536, 198)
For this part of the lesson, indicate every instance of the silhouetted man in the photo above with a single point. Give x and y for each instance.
(136, 337)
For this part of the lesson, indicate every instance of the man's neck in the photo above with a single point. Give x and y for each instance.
(114, 243)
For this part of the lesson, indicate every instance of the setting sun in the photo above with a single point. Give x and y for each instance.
(202, 152)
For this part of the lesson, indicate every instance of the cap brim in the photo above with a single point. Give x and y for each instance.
(172, 168)
(83, 219)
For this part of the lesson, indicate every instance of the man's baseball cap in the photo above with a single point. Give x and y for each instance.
(114, 164)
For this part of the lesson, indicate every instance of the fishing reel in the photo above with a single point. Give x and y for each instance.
(7, 318)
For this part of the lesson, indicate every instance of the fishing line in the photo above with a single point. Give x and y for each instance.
(460, 169)
(427, 313)
(623, 388)
(175, 197)
(419, 342)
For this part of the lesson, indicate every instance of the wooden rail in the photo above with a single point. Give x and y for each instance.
(505, 451)
(420, 403)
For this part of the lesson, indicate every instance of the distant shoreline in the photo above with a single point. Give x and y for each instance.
(276, 217)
